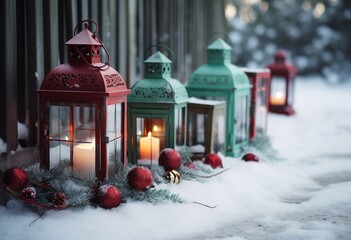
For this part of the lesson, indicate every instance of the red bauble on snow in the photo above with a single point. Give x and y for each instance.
(170, 159)
(109, 196)
(16, 178)
(213, 160)
(140, 178)
(250, 157)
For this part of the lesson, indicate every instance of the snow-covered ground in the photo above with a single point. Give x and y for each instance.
(305, 194)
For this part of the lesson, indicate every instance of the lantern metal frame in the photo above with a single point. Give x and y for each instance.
(221, 80)
(286, 73)
(260, 81)
(84, 82)
(204, 122)
(156, 97)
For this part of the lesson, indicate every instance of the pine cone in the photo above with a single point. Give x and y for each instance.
(59, 199)
(29, 193)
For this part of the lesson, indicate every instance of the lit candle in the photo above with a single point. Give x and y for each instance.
(277, 99)
(149, 147)
(84, 158)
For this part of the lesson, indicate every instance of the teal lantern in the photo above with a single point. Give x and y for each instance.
(157, 112)
(221, 80)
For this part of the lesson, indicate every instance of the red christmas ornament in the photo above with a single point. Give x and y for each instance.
(170, 159)
(29, 193)
(250, 157)
(16, 178)
(59, 199)
(190, 165)
(109, 196)
(140, 178)
(213, 160)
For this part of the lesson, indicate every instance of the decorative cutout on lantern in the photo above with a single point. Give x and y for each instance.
(260, 81)
(82, 106)
(223, 81)
(282, 85)
(157, 111)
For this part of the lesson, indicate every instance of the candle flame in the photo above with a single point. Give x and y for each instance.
(66, 138)
(149, 135)
(279, 95)
(155, 128)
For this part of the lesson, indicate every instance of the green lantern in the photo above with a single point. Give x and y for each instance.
(221, 80)
(157, 112)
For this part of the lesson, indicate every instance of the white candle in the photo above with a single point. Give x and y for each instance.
(277, 99)
(149, 147)
(84, 158)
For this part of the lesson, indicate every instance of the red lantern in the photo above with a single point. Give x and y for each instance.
(260, 81)
(82, 111)
(282, 85)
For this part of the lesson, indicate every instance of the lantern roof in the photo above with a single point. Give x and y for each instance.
(158, 86)
(81, 76)
(158, 57)
(219, 73)
(85, 37)
(281, 67)
(219, 44)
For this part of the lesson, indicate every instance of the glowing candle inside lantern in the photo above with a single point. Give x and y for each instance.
(149, 147)
(277, 99)
(84, 158)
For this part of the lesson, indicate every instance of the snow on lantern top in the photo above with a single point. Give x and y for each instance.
(158, 86)
(219, 73)
(84, 72)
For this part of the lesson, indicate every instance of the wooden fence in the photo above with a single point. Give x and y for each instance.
(34, 33)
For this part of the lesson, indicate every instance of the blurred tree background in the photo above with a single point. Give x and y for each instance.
(316, 34)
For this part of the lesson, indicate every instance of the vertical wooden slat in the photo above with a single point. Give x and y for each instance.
(50, 27)
(112, 9)
(31, 76)
(122, 40)
(21, 60)
(39, 40)
(8, 83)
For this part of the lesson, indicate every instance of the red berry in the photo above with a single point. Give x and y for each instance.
(250, 157)
(170, 159)
(213, 160)
(140, 178)
(16, 178)
(190, 165)
(109, 196)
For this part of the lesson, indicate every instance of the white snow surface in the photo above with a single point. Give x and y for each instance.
(305, 194)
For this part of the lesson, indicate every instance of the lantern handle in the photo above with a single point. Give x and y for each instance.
(220, 33)
(106, 65)
(160, 45)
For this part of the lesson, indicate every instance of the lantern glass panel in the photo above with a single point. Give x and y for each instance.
(84, 124)
(219, 131)
(114, 134)
(278, 91)
(196, 126)
(59, 134)
(179, 126)
(261, 106)
(150, 139)
(241, 119)
(291, 92)
(114, 123)
(114, 156)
